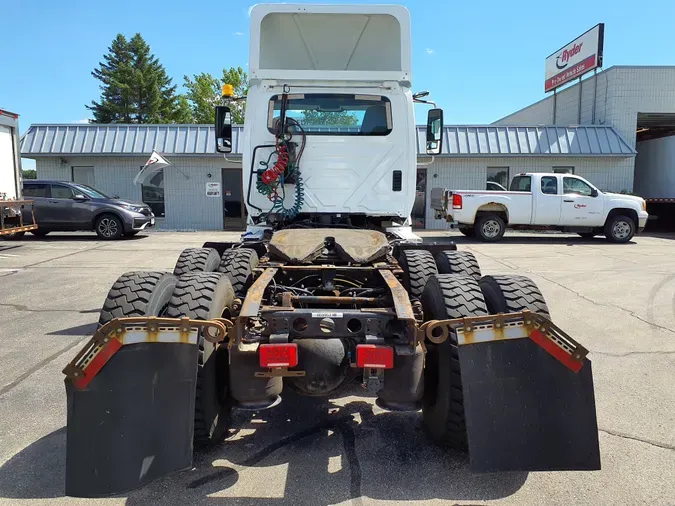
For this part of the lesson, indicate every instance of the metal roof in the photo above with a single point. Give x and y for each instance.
(527, 140)
(190, 140)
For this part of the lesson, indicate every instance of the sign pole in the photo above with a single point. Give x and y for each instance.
(595, 93)
(555, 97)
(579, 110)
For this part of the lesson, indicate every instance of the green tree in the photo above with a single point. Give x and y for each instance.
(343, 118)
(135, 87)
(204, 94)
(29, 173)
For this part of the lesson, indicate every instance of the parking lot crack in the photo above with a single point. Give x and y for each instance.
(24, 308)
(39, 366)
(601, 304)
(651, 442)
(65, 256)
(629, 353)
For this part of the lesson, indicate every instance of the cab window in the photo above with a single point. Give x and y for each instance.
(521, 184)
(35, 190)
(577, 186)
(61, 192)
(549, 185)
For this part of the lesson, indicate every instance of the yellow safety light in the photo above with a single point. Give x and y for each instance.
(228, 90)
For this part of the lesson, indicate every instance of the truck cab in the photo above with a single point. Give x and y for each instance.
(337, 81)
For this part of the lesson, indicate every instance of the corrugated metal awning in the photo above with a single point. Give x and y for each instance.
(489, 140)
(191, 140)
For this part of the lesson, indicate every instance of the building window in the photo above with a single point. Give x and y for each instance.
(83, 175)
(153, 193)
(563, 170)
(498, 175)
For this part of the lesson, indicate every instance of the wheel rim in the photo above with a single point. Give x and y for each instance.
(491, 228)
(107, 227)
(621, 230)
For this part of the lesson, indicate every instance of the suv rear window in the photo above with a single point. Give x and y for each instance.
(521, 184)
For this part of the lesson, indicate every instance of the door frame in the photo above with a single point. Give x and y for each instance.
(229, 223)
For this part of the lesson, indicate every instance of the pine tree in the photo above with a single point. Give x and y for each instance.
(135, 86)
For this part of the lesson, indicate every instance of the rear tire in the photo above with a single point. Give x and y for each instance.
(238, 265)
(196, 260)
(418, 265)
(489, 227)
(458, 262)
(138, 294)
(202, 296)
(619, 229)
(447, 296)
(109, 227)
(40, 232)
(467, 231)
(511, 294)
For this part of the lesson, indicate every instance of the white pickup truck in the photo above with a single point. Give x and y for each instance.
(542, 201)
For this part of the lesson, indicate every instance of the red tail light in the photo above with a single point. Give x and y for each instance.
(456, 201)
(374, 356)
(278, 355)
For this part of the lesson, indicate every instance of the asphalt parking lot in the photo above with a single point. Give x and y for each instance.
(617, 300)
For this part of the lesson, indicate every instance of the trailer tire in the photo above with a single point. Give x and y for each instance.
(447, 296)
(418, 265)
(489, 227)
(511, 294)
(238, 265)
(458, 262)
(138, 294)
(202, 296)
(196, 260)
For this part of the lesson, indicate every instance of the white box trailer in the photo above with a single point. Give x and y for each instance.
(655, 179)
(16, 215)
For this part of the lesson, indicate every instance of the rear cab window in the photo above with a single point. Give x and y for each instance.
(521, 184)
(35, 190)
(333, 114)
(549, 185)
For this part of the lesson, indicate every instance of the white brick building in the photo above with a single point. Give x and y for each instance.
(639, 102)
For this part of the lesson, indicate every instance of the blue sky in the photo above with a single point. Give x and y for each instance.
(481, 60)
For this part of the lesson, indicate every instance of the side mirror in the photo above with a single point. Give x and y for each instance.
(223, 129)
(594, 192)
(434, 131)
(79, 198)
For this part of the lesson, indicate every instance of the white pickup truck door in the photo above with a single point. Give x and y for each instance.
(579, 208)
(547, 201)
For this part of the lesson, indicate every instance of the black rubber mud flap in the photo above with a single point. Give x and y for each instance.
(525, 410)
(134, 422)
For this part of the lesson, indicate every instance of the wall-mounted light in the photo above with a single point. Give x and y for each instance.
(209, 176)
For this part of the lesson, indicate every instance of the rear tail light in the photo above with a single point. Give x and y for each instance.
(374, 357)
(456, 201)
(278, 355)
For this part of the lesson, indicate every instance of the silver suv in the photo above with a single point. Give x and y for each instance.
(66, 206)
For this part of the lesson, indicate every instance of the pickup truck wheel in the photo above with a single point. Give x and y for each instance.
(458, 262)
(511, 294)
(196, 260)
(619, 229)
(418, 265)
(238, 264)
(202, 296)
(109, 227)
(447, 296)
(490, 227)
(467, 231)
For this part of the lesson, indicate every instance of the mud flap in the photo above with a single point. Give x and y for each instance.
(134, 422)
(525, 410)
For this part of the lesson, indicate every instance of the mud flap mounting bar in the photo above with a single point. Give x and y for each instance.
(124, 331)
(500, 327)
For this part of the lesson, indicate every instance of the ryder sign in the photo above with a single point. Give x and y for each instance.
(575, 59)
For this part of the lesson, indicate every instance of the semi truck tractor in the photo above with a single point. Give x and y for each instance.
(16, 215)
(327, 287)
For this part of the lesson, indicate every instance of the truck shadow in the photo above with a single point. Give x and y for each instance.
(305, 451)
(524, 238)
